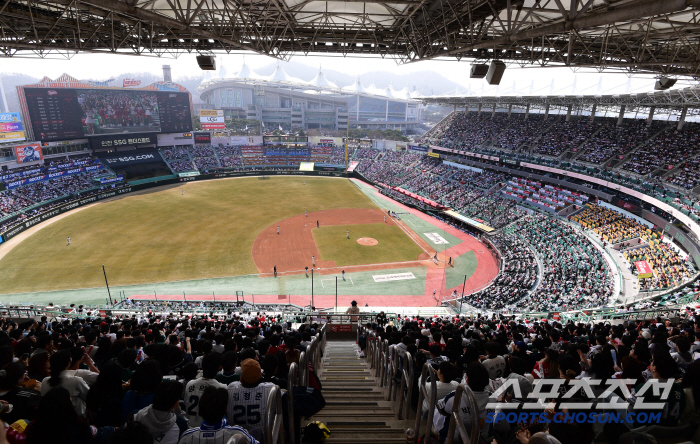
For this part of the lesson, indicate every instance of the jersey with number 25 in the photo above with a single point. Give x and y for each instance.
(247, 405)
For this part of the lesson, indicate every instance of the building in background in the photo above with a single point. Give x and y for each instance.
(282, 101)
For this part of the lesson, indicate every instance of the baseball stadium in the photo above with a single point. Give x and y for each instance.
(524, 269)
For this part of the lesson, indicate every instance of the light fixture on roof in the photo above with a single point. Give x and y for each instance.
(206, 61)
(663, 83)
(495, 73)
(479, 71)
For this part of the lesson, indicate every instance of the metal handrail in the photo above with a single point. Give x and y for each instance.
(316, 356)
(383, 362)
(291, 383)
(428, 370)
(303, 364)
(456, 420)
(406, 389)
(393, 366)
(273, 417)
(371, 354)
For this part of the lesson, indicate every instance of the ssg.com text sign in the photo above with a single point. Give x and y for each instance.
(129, 158)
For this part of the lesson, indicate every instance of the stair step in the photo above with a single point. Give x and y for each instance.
(385, 431)
(345, 364)
(343, 380)
(362, 406)
(337, 403)
(358, 437)
(349, 378)
(349, 389)
(360, 415)
(372, 396)
(340, 370)
(356, 408)
(356, 424)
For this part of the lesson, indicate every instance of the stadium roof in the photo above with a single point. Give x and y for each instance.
(671, 100)
(657, 36)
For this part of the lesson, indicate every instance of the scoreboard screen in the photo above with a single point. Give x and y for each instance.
(59, 114)
(54, 114)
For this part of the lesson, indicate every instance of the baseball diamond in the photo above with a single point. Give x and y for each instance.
(220, 233)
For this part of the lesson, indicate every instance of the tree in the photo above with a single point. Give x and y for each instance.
(196, 126)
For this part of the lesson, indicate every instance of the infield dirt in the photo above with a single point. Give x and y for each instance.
(294, 247)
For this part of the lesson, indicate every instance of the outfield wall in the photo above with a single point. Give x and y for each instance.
(89, 198)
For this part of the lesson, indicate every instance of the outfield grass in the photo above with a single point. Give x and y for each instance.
(162, 236)
(394, 245)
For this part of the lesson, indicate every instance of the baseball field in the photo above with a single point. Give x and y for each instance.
(209, 231)
(219, 239)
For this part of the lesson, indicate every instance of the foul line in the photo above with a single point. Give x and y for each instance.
(410, 233)
(332, 280)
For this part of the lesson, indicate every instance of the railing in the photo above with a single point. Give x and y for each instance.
(302, 377)
(21, 312)
(273, 417)
(431, 395)
(312, 356)
(406, 388)
(291, 383)
(393, 370)
(384, 364)
(400, 391)
(456, 420)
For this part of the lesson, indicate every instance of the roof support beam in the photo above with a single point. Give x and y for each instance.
(631, 11)
(158, 19)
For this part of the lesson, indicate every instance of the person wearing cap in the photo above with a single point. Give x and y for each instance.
(247, 402)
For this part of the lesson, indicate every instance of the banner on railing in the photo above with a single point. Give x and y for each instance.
(643, 269)
(44, 177)
(340, 328)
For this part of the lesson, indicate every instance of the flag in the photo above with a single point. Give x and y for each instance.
(280, 127)
(246, 127)
(263, 124)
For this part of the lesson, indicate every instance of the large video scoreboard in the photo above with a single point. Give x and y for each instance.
(60, 113)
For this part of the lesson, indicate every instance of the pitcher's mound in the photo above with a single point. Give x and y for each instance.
(367, 241)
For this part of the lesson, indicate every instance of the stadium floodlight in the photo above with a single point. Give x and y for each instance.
(495, 72)
(206, 61)
(479, 71)
(663, 83)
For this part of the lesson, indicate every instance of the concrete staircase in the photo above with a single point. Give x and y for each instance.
(356, 409)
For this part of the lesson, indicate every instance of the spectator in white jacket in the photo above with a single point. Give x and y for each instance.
(61, 377)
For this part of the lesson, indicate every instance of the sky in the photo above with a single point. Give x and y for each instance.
(516, 80)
